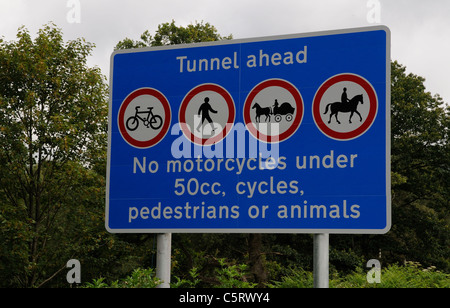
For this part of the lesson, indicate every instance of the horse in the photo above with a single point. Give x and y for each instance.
(261, 111)
(345, 107)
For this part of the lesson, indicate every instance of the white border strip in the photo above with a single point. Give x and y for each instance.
(261, 39)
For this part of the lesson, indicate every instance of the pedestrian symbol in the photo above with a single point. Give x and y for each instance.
(204, 111)
(207, 114)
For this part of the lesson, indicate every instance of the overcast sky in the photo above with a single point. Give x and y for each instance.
(420, 29)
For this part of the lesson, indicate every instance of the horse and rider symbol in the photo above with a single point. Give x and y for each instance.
(345, 105)
(341, 97)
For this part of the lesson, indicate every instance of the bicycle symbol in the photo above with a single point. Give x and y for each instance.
(152, 120)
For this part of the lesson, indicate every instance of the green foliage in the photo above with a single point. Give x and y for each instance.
(411, 275)
(297, 278)
(139, 278)
(216, 273)
(232, 275)
(53, 111)
(170, 34)
(227, 276)
(97, 284)
(421, 173)
(187, 283)
(344, 260)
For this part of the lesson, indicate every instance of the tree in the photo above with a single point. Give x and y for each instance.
(420, 176)
(53, 119)
(420, 171)
(170, 34)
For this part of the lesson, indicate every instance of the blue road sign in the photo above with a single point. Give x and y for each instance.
(286, 134)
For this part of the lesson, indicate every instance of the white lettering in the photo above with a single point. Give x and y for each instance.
(181, 62)
(276, 58)
(301, 56)
(316, 211)
(207, 64)
(153, 166)
(188, 211)
(326, 161)
(261, 59)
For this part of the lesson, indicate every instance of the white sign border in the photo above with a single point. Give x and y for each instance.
(262, 39)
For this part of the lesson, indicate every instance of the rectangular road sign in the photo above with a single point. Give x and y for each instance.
(285, 134)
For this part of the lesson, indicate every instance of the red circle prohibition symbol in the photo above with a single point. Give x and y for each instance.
(373, 102)
(298, 106)
(231, 114)
(166, 122)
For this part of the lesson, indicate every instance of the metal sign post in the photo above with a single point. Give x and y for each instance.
(163, 258)
(321, 260)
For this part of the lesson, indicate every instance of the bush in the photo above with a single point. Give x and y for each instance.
(411, 275)
(298, 278)
(139, 278)
(233, 276)
(228, 275)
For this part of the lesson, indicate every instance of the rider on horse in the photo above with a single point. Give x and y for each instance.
(344, 98)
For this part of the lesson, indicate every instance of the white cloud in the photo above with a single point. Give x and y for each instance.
(420, 40)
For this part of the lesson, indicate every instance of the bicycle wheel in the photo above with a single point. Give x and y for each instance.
(132, 123)
(156, 122)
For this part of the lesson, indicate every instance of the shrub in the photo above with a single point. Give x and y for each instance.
(229, 275)
(411, 275)
(139, 278)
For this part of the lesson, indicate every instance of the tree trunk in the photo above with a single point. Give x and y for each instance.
(257, 267)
